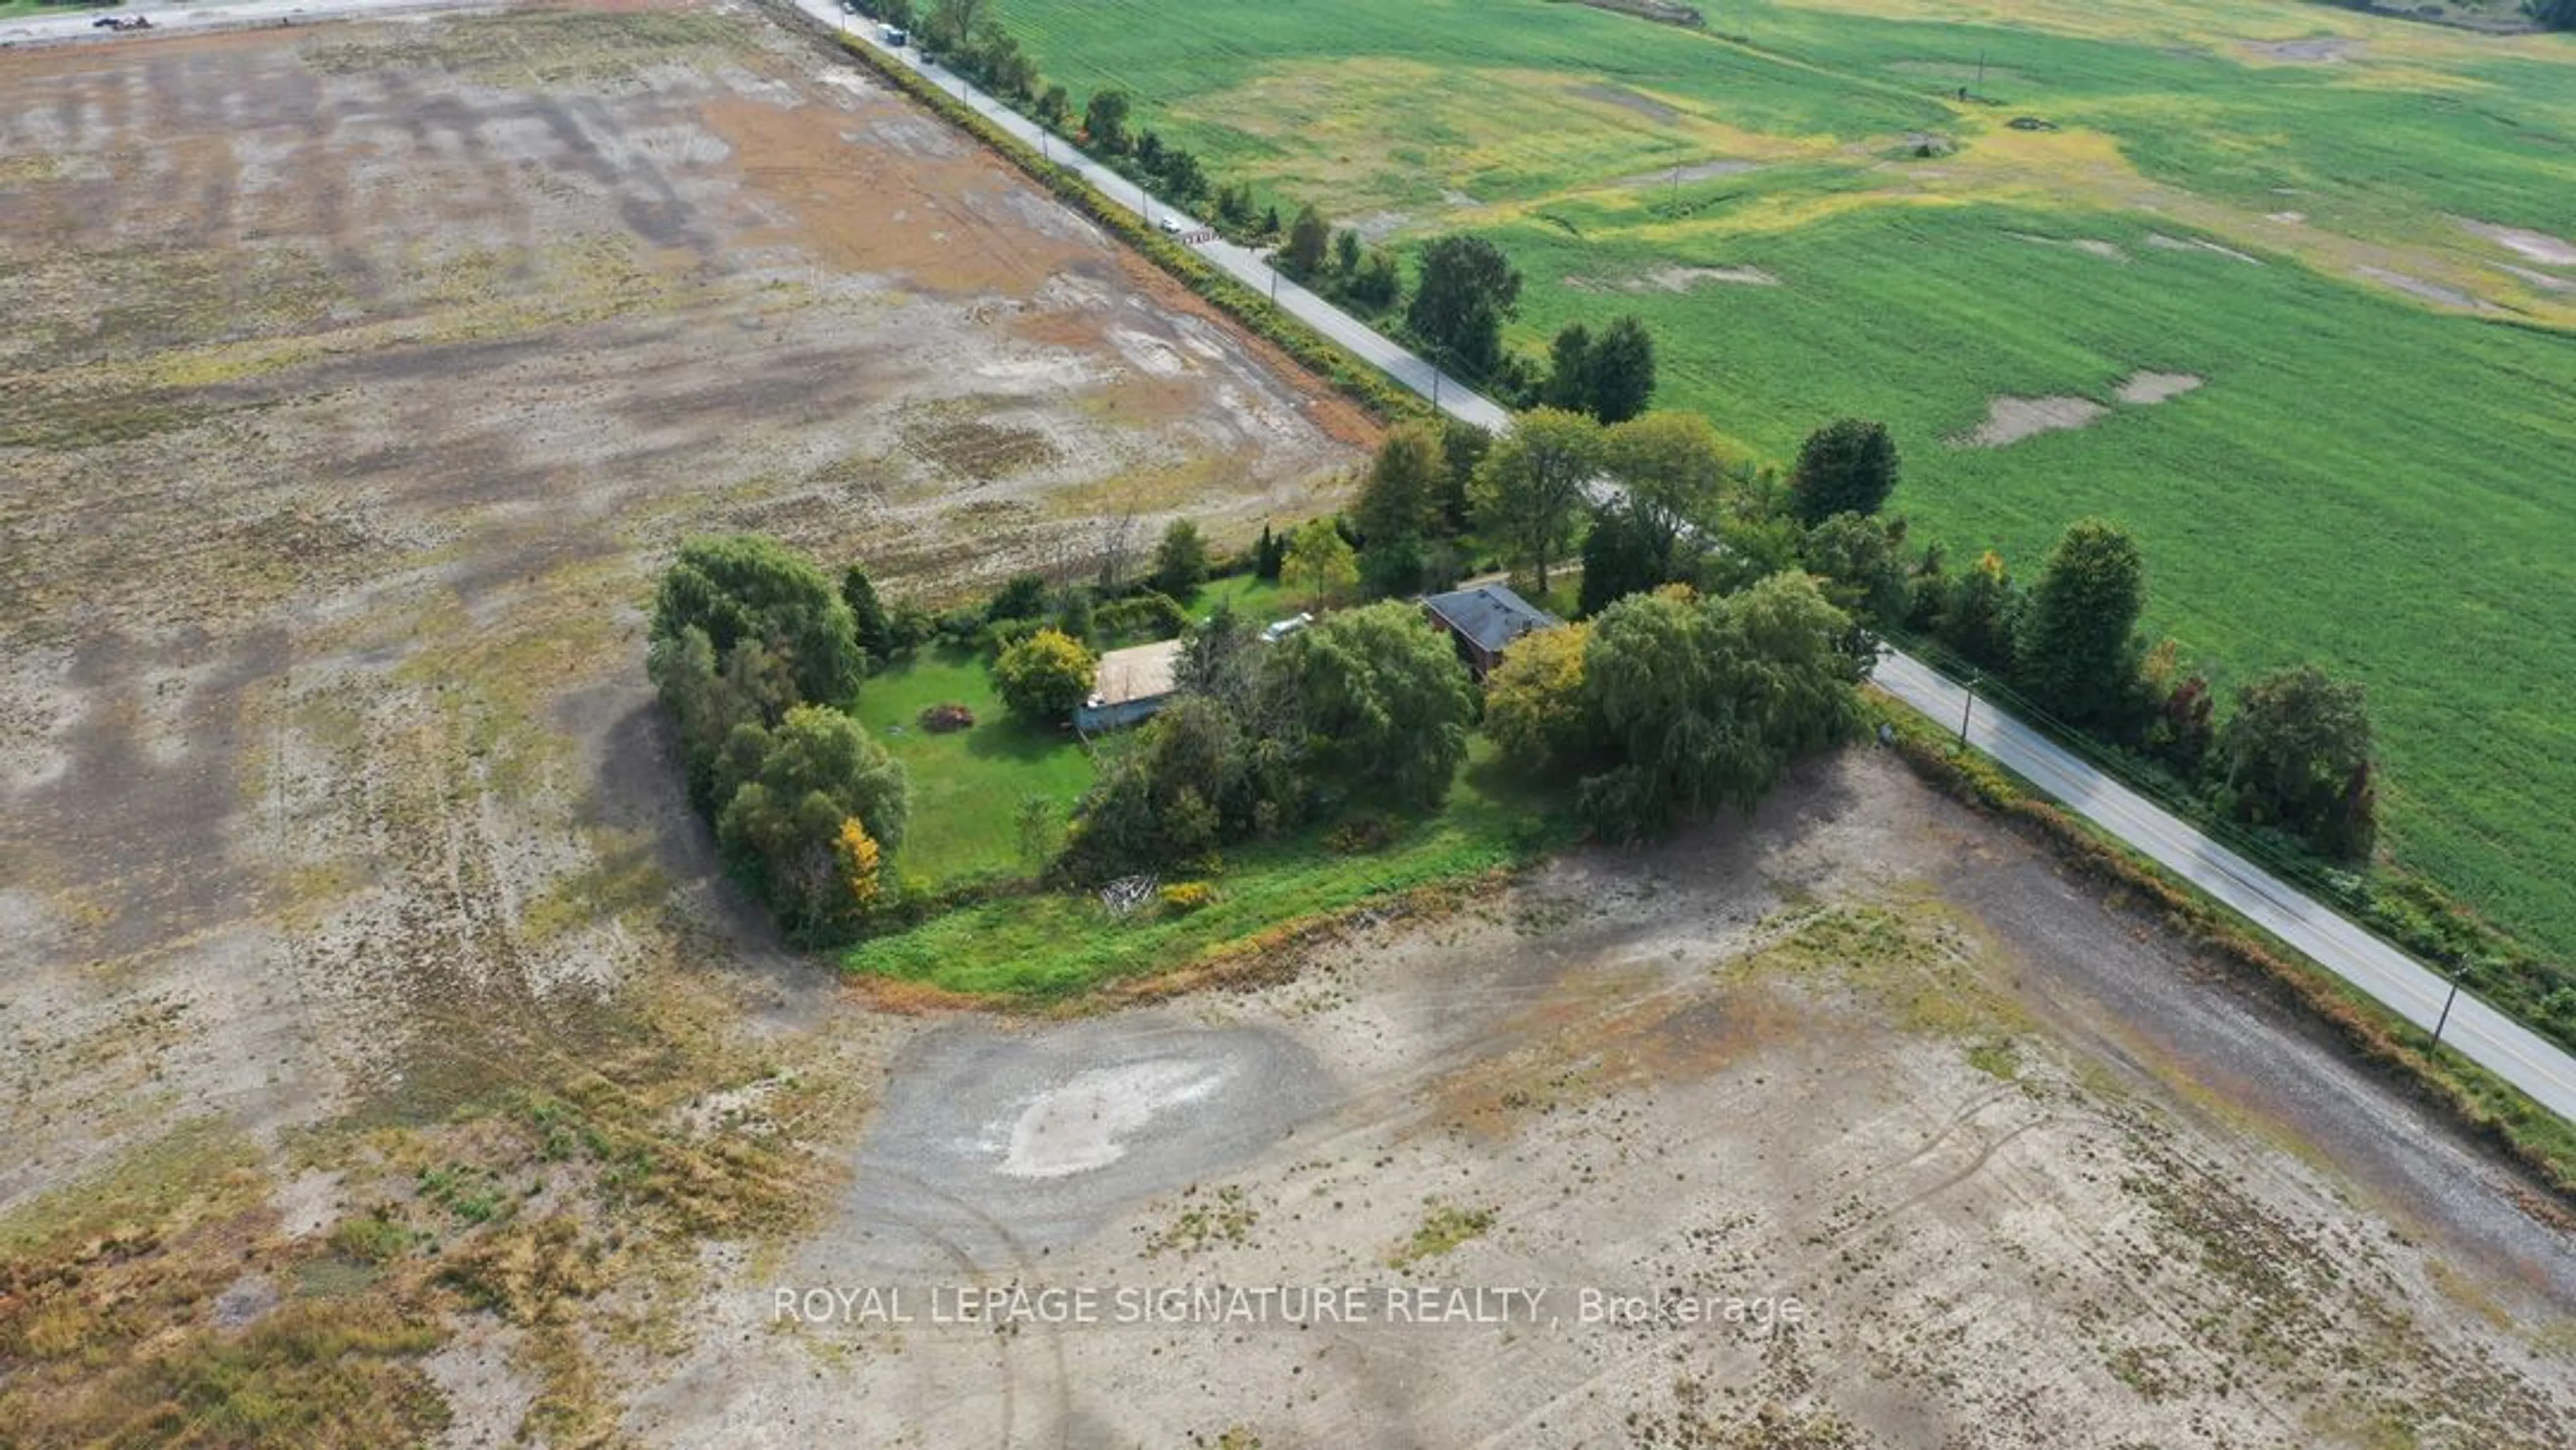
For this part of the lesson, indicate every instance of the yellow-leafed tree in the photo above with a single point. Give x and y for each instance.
(858, 855)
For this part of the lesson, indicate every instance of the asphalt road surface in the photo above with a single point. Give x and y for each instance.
(2404, 985)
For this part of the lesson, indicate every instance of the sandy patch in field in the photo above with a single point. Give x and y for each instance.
(1695, 171)
(1627, 100)
(2147, 389)
(2414, 286)
(2542, 280)
(2321, 50)
(1677, 280)
(2010, 420)
(1682, 279)
(2532, 246)
(2089, 246)
(2162, 242)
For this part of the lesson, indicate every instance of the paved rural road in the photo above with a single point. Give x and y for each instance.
(2405, 986)
(2489, 1038)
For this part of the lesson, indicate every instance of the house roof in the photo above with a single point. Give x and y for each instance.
(1489, 616)
(1128, 675)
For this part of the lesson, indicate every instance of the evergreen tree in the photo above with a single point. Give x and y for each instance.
(1848, 466)
(874, 632)
(1180, 560)
(1621, 377)
(1302, 255)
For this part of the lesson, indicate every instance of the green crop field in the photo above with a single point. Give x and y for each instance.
(2347, 243)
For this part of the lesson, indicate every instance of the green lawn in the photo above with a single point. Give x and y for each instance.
(1256, 601)
(966, 786)
(2361, 479)
(1055, 944)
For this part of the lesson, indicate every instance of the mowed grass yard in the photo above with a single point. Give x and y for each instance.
(967, 785)
(1055, 944)
(2366, 477)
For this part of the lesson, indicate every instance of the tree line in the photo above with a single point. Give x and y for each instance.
(756, 657)
(1660, 499)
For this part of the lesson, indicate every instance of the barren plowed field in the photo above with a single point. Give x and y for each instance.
(356, 380)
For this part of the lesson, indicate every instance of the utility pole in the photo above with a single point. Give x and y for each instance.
(2445, 1019)
(1274, 284)
(1435, 385)
(1967, 710)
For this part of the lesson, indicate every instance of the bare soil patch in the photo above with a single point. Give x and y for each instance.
(2200, 244)
(2090, 246)
(1678, 279)
(2014, 1154)
(2318, 50)
(1695, 171)
(2530, 245)
(2146, 388)
(2010, 420)
(2414, 286)
(1628, 100)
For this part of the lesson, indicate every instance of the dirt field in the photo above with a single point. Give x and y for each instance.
(356, 380)
(2033, 1179)
(367, 999)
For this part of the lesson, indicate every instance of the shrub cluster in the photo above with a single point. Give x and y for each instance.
(753, 652)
